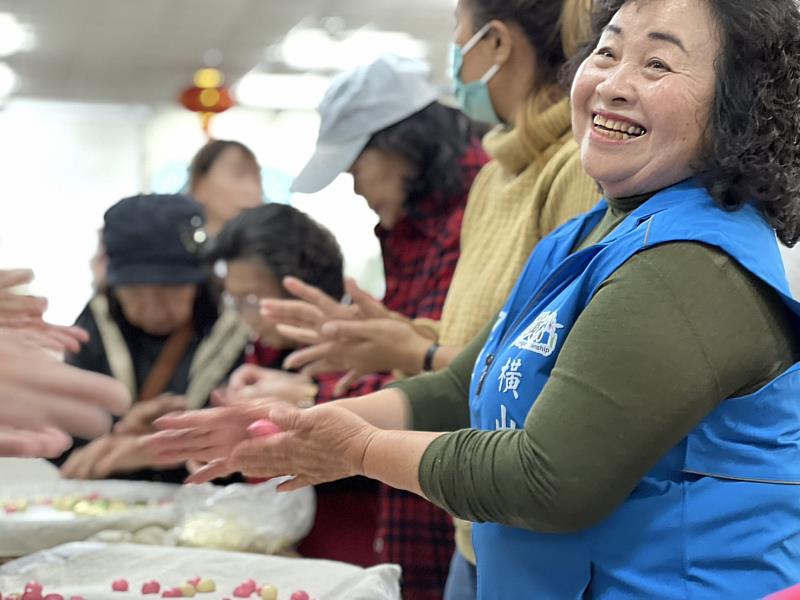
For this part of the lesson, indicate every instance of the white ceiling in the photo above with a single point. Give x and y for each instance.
(145, 51)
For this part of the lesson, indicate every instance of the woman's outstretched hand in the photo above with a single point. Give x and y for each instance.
(320, 444)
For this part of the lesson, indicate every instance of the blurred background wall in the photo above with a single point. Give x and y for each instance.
(89, 111)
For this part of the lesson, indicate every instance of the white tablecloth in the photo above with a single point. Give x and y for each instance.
(88, 569)
(42, 527)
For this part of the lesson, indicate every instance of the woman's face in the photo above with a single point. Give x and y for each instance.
(157, 309)
(232, 184)
(247, 282)
(380, 177)
(641, 101)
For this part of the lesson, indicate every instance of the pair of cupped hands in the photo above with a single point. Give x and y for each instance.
(263, 439)
(356, 339)
(316, 444)
(212, 442)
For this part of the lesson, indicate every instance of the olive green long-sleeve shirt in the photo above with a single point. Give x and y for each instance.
(672, 333)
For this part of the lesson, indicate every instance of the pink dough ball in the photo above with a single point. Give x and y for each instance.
(263, 428)
(243, 591)
(151, 587)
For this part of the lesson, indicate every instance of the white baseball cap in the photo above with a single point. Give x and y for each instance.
(357, 105)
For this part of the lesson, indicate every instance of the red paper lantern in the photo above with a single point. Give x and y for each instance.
(207, 97)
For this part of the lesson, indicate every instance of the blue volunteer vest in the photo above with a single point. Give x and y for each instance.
(719, 515)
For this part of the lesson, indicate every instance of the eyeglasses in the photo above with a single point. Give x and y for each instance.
(241, 304)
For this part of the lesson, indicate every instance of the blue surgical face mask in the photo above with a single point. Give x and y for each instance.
(473, 97)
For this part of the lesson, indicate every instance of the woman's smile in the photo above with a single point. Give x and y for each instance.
(610, 127)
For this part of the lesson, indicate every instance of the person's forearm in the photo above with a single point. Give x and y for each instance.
(409, 357)
(444, 356)
(393, 457)
(386, 409)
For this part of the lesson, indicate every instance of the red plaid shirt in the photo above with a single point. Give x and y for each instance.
(421, 251)
(419, 257)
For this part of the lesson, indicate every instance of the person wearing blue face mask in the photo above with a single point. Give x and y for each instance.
(474, 97)
(506, 53)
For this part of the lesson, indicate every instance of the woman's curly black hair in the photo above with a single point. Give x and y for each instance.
(752, 151)
(286, 242)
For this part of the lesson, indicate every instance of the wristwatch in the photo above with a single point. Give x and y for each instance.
(427, 364)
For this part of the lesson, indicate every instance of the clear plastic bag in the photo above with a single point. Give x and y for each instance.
(243, 517)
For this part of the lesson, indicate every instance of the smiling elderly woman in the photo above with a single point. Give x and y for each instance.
(634, 421)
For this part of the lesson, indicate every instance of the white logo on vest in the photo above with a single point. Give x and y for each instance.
(541, 336)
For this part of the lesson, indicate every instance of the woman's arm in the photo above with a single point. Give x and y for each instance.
(387, 409)
(667, 338)
(445, 355)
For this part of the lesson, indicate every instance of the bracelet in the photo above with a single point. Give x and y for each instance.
(427, 364)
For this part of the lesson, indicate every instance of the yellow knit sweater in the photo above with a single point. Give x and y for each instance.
(533, 184)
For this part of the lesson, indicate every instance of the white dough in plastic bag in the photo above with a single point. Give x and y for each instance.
(243, 517)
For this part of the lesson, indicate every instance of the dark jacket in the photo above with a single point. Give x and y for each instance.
(125, 352)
